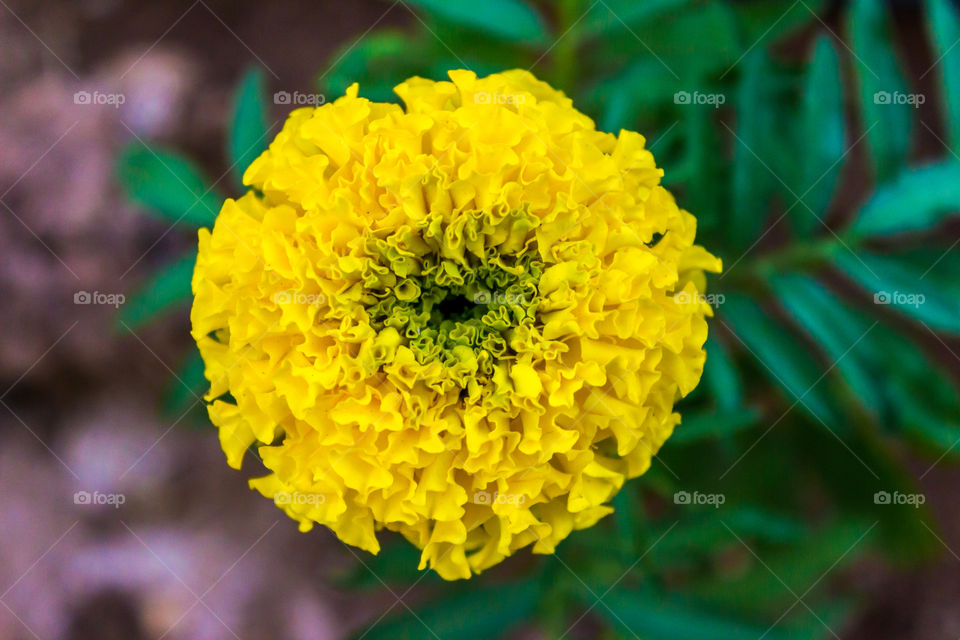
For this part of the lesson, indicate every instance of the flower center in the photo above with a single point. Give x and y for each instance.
(460, 316)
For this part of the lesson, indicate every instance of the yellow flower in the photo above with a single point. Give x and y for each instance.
(466, 320)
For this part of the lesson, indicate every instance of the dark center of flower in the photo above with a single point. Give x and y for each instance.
(460, 315)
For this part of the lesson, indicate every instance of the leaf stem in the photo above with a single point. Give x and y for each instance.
(802, 255)
(565, 53)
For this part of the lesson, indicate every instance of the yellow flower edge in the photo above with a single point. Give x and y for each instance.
(460, 320)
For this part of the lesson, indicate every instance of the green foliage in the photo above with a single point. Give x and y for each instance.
(786, 574)
(165, 291)
(915, 201)
(755, 142)
(900, 285)
(647, 615)
(823, 132)
(171, 187)
(609, 17)
(813, 387)
(835, 328)
(168, 185)
(721, 377)
(944, 26)
(184, 393)
(887, 122)
(382, 60)
(512, 20)
(714, 424)
(785, 363)
(248, 127)
(465, 614)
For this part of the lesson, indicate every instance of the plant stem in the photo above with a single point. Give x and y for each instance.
(803, 255)
(565, 52)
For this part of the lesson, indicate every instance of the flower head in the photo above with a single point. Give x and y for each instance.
(458, 320)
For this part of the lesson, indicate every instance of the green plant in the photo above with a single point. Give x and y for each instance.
(171, 187)
(839, 287)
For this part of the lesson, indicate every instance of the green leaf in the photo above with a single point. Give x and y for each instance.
(934, 428)
(851, 475)
(836, 328)
(819, 624)
(765, 525)
(922, 395)
(166, 290)
(187, 388)
(475, 614)
(613, 15)
(639, 89)
(395, 565)
(721, 376)
(917, 200)
(787, 363)
(617, 112)
(377, 62)
(936, 258)
(511, 20)
(899, 284)
(627, 521)
(765, 21)
(657, 618)
(882, 88)
(707, 533)
(167, 184)
(752, 178)
(823, 133)
(690, 44)
(770, 585)
(483, 66)
(944, 26)
(248, 128)
(705, 189)
(697, 427)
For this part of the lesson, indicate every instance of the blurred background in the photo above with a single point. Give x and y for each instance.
(810, 491)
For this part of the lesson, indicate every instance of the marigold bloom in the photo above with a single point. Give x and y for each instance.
(460, 320)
